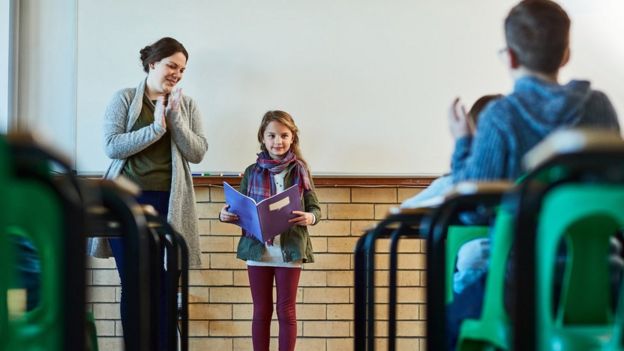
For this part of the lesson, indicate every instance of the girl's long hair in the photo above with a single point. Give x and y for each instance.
(286, 119)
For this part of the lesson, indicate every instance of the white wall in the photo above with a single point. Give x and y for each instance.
(47, 65)
(368, 81)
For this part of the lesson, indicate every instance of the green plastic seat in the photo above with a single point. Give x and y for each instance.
(586, 216)
(491, 330)
(36, 211)
(457, 236)
(43, 327)
(5, 258)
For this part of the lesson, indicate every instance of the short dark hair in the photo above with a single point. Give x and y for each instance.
(538, 31)
(162, 48)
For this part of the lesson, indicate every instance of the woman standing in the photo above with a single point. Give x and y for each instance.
(151, 133)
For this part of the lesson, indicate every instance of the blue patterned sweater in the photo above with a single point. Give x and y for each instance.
(512, 125)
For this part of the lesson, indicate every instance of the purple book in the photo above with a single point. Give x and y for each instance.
(267, 218)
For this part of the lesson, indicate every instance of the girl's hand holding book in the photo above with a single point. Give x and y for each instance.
(225, 216)
(303, 218)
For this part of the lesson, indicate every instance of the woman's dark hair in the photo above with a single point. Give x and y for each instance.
(480, 104)
(162, 48)
(538, 32)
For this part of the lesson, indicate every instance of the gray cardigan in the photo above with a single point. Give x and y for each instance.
(188, 145)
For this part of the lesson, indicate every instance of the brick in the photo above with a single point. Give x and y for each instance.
(198, 328)
(326, 329)
(216, 194)
(382, 211)
(327, 195)
(204, 226)
(340, 312)
(241, 278)
(221, 228)
(110, 344)
(330, 228)
(118, 328)
(210, 311)
(374, 195)
(230, 328)
(330, 261)
(213, 243)
(242, 311)
(210, 277)
(105, 328)
(415, 344)
(411, 328)
(225, 261)
(405, 261)
(404, 311)
(106, 277)
(319, 244)
(340, 278)
(232, 295)
(313, 278)
(359, 227)
(325, 295)
(342, 245)
(198, 294)
(210, 344)
(308, 311)
(106, 311)
(351, 211)
(341, 344)
(202, 194)
(323, 211)
(101, 294)
(406, 193)
(208, 210)
(406, 245)
(100, 263)
(311, 344)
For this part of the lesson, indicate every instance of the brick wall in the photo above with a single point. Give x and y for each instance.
(220, 309)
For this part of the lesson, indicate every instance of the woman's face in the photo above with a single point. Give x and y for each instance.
(165, 74)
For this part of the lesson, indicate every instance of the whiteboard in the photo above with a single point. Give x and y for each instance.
(367, 81)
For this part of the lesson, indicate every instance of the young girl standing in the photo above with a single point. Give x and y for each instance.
(278, 167)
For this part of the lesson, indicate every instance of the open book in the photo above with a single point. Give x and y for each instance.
(268, 217)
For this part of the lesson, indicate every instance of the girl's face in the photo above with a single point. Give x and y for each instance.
(166, 73)
(277, 139)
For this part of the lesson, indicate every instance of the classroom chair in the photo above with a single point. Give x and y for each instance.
(29, 190)
(117, 214)
(471, 206)
(585, 207)
(166, 239)
(398, 224)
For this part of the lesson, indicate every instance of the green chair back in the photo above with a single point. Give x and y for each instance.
(491, 330)
(585, 216)
(33, 209)
(457, 236)
(5, 252)
(43, 327)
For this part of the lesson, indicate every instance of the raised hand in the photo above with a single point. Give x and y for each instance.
(458, 119)
(173, 105)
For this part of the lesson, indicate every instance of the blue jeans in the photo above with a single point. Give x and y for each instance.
(160, 201)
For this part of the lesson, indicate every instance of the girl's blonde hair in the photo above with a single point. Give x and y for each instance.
(286, 119)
